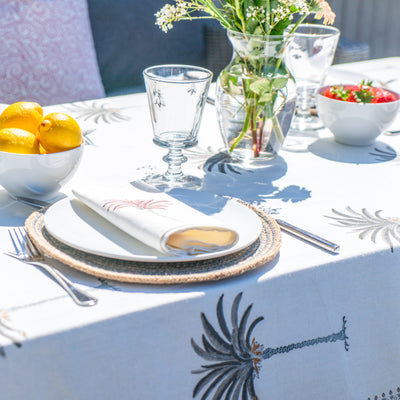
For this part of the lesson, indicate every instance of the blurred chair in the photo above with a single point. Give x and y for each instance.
(372, 22)
(47, 53)
(350, 51)
(218, 48)
(127, 41)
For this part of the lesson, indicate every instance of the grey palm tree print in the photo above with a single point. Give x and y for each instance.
(97, 112)
(390, 395)
(368, 224)
(235, 356)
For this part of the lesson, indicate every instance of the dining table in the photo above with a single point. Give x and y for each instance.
(301, 323)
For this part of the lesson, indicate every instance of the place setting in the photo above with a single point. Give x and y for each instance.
(159, 230)
(202, 195)
(229, 238)
(162, 230)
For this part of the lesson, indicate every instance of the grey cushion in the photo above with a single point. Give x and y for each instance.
(218, 48)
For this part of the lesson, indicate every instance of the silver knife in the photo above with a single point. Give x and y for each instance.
(32, 202)
(308, 237)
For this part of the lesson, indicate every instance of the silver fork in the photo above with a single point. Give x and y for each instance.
(27, 252)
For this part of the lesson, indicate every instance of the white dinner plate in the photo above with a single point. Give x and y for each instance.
(76, 225)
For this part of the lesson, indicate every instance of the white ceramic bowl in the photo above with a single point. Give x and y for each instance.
(356, 124)
(38, 176)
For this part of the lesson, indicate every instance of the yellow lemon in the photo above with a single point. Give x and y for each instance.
(15, 140)
(42, 150)
(59, 132)
(23, 115)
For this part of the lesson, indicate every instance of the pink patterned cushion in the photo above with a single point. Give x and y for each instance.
(47, 53)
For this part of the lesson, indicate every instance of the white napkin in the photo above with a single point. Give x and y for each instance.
(158, 220)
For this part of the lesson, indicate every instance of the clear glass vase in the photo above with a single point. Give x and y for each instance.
(255, 97)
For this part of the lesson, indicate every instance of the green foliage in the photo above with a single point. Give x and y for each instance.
(340, 92)
(360, 93)
(279, 82)
(364, 95)
(256, 78)
(261, 86)
(261, 17)
(280, 27)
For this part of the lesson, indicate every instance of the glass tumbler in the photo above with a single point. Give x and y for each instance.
(309, 56)
(176, 96)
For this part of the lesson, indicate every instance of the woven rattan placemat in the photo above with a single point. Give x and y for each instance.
(264, 250)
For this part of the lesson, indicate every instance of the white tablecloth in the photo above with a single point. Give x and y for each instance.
(325, 326)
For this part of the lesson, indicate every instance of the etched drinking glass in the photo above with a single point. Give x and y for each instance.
(309, 56)
(176, 96)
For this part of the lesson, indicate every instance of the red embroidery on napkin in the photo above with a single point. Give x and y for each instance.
(114, 204)
(4, 315)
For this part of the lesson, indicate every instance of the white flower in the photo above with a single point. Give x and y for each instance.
(170, 13)
(228, 12)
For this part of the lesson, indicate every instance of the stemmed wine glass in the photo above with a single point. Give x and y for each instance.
(308, 56)
(176, 95)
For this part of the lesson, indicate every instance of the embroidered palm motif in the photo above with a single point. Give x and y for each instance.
(235, 356)
(114, 204)
(9, 332)
(373, 225)
(97, 112)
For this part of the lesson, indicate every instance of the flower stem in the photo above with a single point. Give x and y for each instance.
(260, 133)
(254, 134)
(295, 26)
(246, 125)
(277, 129)
(216, 12)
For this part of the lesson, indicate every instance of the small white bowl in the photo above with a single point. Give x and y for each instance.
(356, 124)
(38, 176)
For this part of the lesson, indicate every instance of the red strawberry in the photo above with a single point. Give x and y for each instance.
(351, 98)
(330, 93)
(383, 96)
(361, 93)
